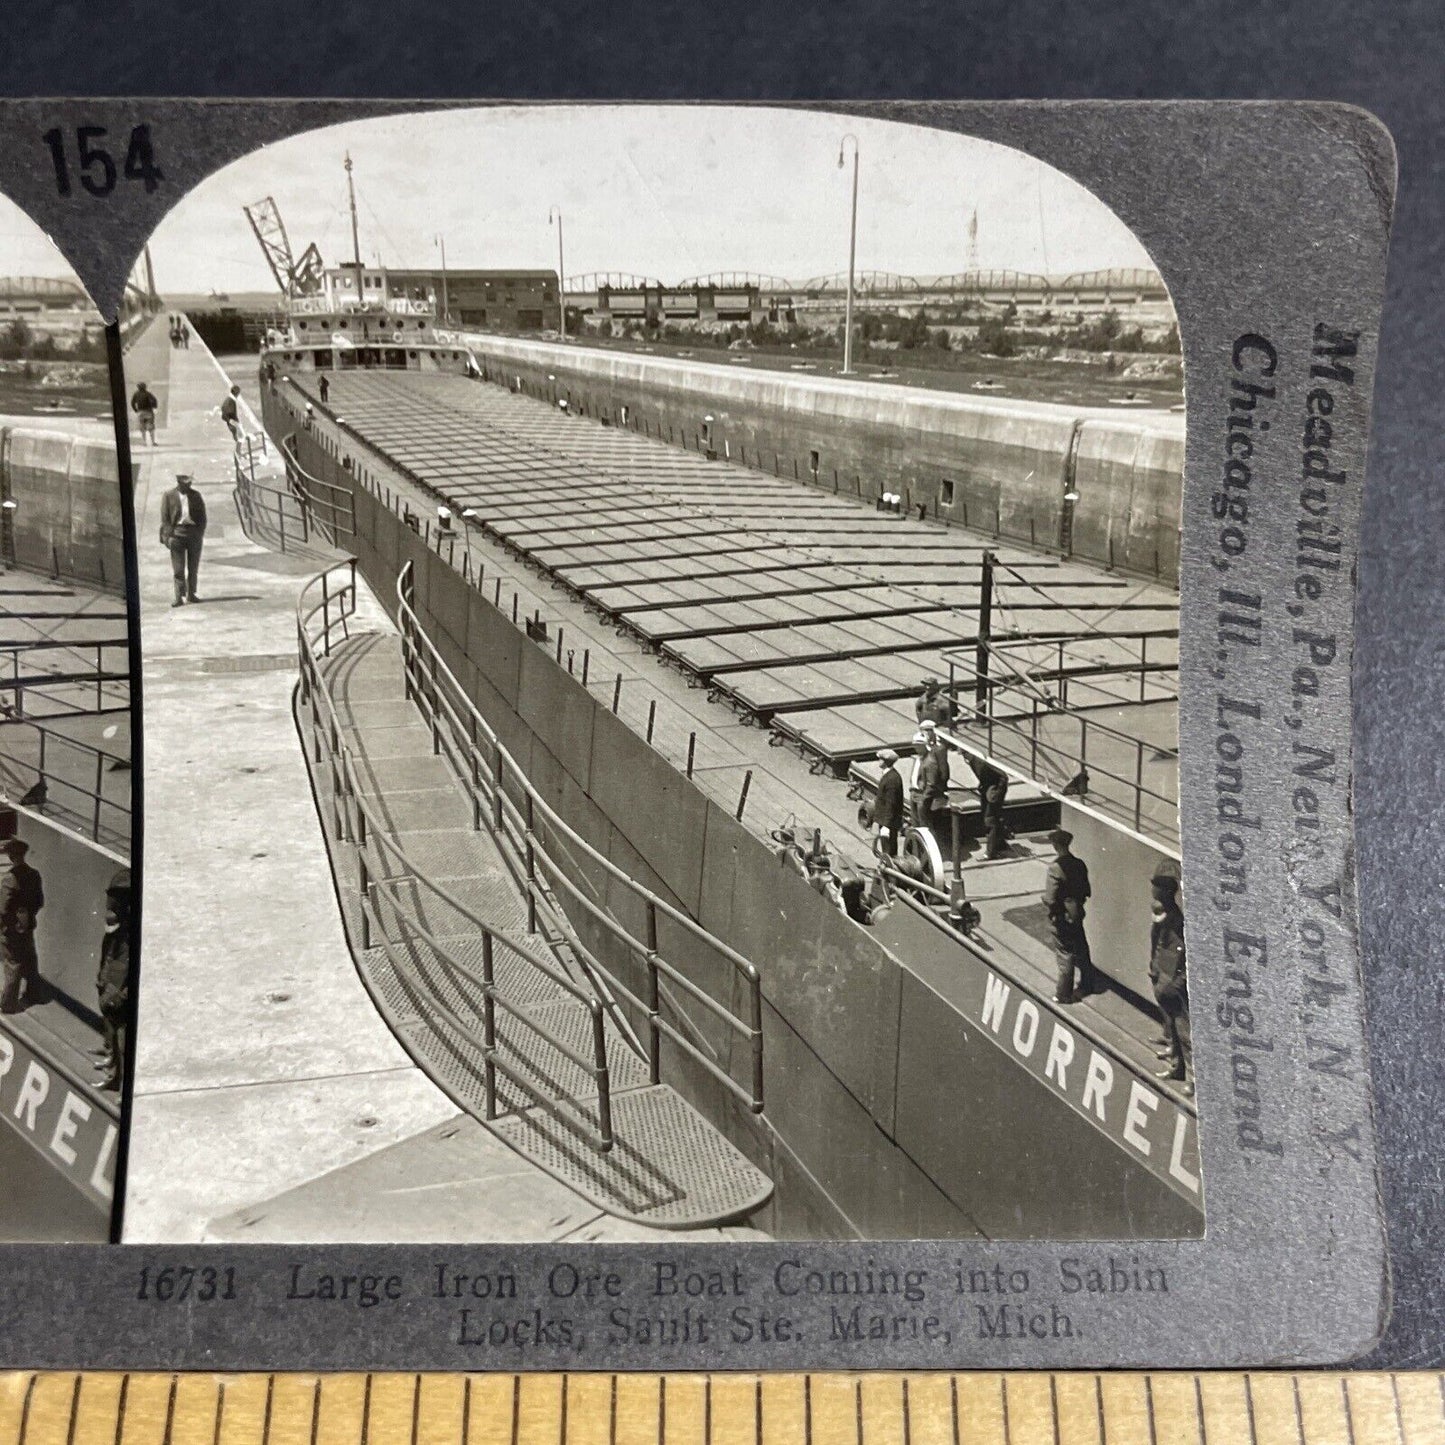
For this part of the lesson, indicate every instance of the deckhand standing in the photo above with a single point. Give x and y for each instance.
(1066, 891)
(935, 706)
(888, 804)
(112, 982)
(183, 527)
(917, 778)
(21, 899)
(992, 795)
(938, 776)
(1167, 972)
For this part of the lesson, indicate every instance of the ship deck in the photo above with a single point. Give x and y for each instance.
(799, 624)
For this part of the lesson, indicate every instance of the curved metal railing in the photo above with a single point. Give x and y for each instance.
(332, 508)
(479, 758)
(382, 886)
(299, 513)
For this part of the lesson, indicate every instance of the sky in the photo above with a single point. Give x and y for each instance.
(662, 192)
(25, 250)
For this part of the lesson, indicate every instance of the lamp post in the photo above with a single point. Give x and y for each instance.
(852, 252)
(555, 213)
(469, 519)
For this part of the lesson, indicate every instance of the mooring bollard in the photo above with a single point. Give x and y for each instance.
(743, 797)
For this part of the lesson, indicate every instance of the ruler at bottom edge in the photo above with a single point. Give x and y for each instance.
(49, 1408)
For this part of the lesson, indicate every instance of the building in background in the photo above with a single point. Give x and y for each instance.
(498, 300)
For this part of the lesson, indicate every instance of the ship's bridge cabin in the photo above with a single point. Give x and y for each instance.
(353, 287)
(362, 318)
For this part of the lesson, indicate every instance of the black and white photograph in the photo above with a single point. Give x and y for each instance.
(661, 655)
(65, 758)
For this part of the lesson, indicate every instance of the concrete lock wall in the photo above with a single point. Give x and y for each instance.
(1006, 465)
(889, 1114)
(66, 517)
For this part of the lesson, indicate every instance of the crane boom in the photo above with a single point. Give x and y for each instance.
(294, 277)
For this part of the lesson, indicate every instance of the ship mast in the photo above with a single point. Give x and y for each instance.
(351, 195)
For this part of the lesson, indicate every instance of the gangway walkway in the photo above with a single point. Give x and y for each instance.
(498, 1009)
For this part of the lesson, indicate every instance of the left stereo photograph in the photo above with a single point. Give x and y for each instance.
(65, 748)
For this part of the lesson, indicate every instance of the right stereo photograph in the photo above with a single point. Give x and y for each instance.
(661, 692)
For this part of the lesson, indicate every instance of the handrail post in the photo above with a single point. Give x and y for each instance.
(497, 791)
(365, 882)
(476, 784)
(531, 870)
(604, 1078)
(755, 1020)
(489, 1026)
(1138, 782)
(654, 999)
(436, 727)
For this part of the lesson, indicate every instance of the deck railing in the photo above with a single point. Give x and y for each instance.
(544, 850)
(1036, 715)
(75, 677)
(73, 777)
(385, 897)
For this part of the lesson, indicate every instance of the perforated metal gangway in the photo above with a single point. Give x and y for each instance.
(534, 981)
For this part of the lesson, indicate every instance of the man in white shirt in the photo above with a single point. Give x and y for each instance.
(183, 526)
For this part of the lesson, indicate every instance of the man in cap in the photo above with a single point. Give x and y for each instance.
(935, 706)
(917, 779)
(112, 981)
(992, 795)
(888, 808)
(936, 780)
(183, 528)
(21, 899)
(1066, 890)
(1167, 974)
